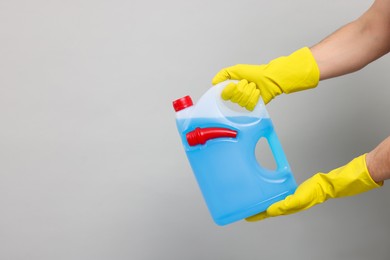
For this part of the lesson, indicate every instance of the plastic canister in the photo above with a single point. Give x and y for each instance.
(220, 145)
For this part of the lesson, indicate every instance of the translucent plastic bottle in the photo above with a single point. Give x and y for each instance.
(220, 144)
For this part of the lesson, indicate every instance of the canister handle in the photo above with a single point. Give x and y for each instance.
(282, 164)
(258, 111)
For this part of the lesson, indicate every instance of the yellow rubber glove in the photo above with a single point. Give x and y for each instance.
(296, 72)
(348, 180)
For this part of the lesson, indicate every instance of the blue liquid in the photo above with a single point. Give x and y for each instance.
(234, 185)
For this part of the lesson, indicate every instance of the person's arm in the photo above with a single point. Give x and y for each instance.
(378, 161)
(356, 44)
(351, 48)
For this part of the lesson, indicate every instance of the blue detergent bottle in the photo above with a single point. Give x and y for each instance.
(220, 144)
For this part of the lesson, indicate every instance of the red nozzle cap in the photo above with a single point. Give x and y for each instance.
(182, 103)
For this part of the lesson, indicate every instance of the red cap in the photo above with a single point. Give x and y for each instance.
(181, 103)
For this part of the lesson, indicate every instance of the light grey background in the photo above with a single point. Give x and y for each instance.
(91, 164)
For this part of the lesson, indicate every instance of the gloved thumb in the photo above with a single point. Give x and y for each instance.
(289, 205)
(225, 74)
(257, 217)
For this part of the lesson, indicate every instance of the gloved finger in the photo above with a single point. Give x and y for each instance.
(225, 74)
(253, 100)
(239, 92)
(257, 217)
(266, 96)
(247, 93)
(228, 91)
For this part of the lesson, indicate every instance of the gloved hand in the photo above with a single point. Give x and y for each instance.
(348, 180)
(298, 71)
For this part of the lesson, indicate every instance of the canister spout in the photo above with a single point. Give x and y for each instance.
(202, 135)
